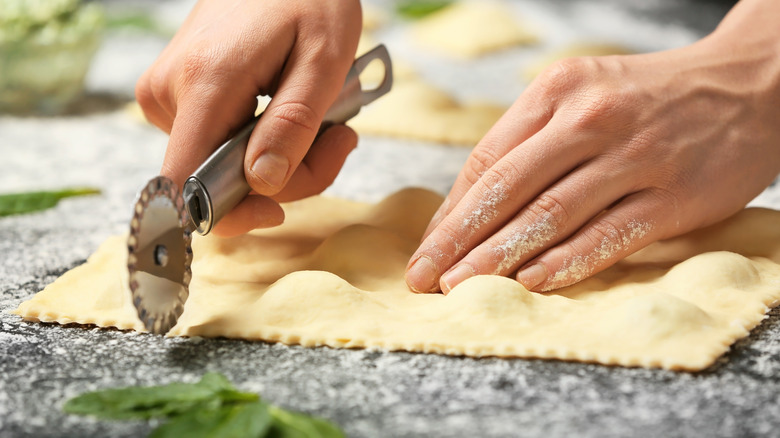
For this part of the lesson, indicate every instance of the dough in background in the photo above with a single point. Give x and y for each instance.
(572, 51)
(374, 16)
(375, 72)
(470, 28)
(332, 275)
(417, 110)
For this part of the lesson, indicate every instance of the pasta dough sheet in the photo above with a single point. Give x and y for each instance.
(333, 275)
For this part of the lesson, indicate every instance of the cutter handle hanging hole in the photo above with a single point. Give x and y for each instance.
(377, 54)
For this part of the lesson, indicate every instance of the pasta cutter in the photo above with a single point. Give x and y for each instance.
(159, 244)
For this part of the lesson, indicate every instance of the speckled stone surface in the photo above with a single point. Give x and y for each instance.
(370, 394)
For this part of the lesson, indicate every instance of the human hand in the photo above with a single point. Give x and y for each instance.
(599, 157)
(203, 88)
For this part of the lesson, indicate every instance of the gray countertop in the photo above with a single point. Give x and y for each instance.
(369, 394)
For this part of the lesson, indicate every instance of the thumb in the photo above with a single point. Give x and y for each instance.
(289, 125)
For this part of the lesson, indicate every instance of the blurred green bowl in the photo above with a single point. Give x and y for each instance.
(46, 47)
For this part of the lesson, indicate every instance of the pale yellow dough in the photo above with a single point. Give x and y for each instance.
(417, 110)
(333, 275)
(467, 29)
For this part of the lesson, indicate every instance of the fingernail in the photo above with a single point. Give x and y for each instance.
(532, 276)
(271, 168)
(421, 276)
(456, 276)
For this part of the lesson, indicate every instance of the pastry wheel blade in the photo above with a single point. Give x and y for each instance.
(159, 255)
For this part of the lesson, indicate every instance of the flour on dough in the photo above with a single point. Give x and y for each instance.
(333, 275)
(417, 110)
(470, 28)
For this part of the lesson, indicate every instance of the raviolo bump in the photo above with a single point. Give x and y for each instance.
(285, 303)
(497, 294)
(714, 270)
(658, 315)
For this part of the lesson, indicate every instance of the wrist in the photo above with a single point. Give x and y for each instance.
(748, 39)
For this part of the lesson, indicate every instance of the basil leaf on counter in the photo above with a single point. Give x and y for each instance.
(232, 421)
(157, 401)
(415, 9)
(211, 407)
(20, 203)
(288, 424)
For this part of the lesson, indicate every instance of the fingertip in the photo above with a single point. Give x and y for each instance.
(173, 171)
(532, 276)
(338, 135)
(252, 212)
(456, 276)
(421, 276)
(268, 172)
(321, 165)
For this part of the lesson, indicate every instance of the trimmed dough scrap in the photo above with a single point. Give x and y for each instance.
(332, 275)
(467, 29)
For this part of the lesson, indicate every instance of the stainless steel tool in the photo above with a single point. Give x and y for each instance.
(159, 245)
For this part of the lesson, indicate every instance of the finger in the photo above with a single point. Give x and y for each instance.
(554, 215)
(527, 116)
(321, 164)
(493, 200)
(624, 229)
(254, 211)
(148, 95)
(287, 129)
(207, 114)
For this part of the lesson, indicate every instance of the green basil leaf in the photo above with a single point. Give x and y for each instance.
(243, 420)
(157, 401)
(20, 203)
(215, 382)
(415, 9)
(288, 424)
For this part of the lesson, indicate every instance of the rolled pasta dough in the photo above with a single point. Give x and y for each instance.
(333, 275)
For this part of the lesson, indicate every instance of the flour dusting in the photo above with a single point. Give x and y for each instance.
(522, 241)
(486, 210)
(578, 268)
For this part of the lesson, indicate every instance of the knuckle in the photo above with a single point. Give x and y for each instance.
(565, 74)
(198, 65)
(153, 88)
(297, 114)
(143, 91)
(550, 209)
(498, 180)
(479, 162)
(607, 238)
(596, 108)
(159, 88)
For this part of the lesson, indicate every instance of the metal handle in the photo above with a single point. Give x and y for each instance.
(219, 183)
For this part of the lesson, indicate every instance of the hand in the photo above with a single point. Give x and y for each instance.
(204, 85)
(599, 157)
